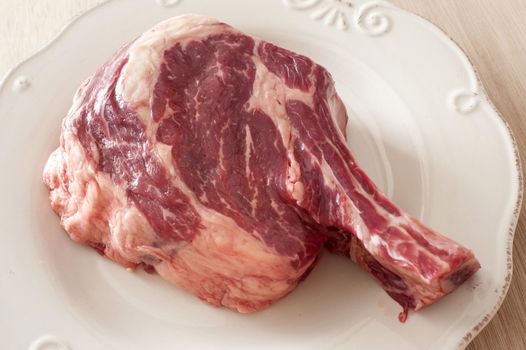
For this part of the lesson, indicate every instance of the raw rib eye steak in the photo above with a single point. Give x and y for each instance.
(219, 161)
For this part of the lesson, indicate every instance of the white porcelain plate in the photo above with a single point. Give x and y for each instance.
(421, 126)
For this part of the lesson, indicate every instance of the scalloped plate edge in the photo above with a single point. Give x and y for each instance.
(484, 320)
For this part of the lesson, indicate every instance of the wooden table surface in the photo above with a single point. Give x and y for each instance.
(493, 33)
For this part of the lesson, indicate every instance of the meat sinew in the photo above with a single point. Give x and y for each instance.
(219, 161)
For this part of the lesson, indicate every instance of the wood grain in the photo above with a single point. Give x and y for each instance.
(493, 34)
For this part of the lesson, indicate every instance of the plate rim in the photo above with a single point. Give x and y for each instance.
(484, 320)
(512, 225)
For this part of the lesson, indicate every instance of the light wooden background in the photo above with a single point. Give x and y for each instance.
(493, 33)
